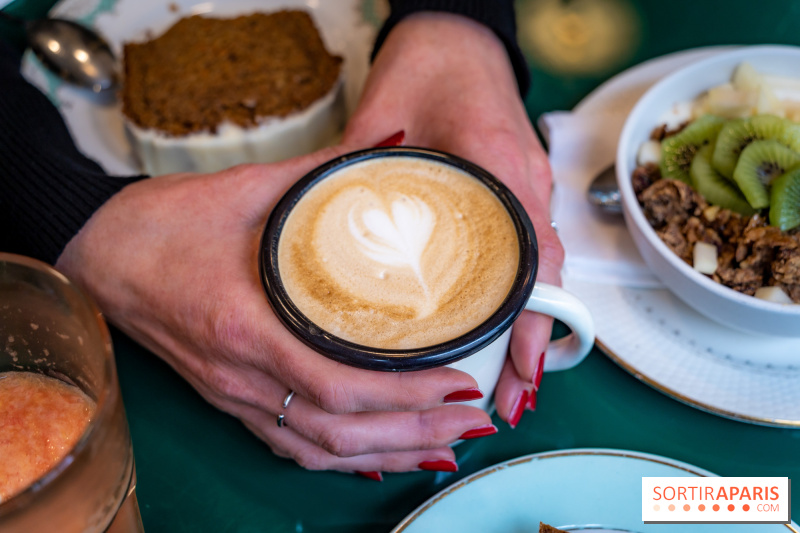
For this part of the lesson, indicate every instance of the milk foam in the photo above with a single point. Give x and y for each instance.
(396, 238)
(398, 252)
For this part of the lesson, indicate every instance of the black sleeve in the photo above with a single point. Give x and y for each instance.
(498, 15)
(48, 189)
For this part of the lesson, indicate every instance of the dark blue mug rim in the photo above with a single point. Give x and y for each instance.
(381, 359)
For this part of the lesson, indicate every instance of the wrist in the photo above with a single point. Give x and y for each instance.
(497, 16)
(448, 46)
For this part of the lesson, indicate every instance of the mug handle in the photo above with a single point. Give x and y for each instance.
(562, 305)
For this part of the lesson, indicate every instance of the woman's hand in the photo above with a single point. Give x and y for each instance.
(172, 261)
(447, 81)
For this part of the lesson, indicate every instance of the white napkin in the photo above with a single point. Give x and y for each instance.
(598, 246)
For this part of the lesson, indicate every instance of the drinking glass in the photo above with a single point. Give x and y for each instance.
(49, 326)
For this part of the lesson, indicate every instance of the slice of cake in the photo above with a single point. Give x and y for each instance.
(210, 93)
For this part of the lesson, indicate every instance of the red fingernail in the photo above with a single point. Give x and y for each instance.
(375, 476)
(395, 140)
(439, 466)
(518, 409)
(532, 401)
(463, 396)
(480, 431)
(537, 376)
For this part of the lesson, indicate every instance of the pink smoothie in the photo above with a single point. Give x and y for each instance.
(41, 419)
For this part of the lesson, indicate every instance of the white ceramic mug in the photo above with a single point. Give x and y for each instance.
(480, 352)
(50, 327)
(486, 364)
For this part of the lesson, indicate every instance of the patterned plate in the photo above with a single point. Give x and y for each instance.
(598, 490)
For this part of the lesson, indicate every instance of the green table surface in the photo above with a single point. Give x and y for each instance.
(201, 470)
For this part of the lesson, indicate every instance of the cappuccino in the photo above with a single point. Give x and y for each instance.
(398, 253)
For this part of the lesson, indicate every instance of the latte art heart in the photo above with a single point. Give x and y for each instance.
(398, 238)
(379, 245)
(398, 253)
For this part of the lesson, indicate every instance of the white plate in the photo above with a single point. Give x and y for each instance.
(96, 122)
(662, 341)
(575, 490)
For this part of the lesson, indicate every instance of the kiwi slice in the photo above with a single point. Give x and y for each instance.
(677, 151)
(715, 188)
(736, 134)
(760, 163)
(784, 207)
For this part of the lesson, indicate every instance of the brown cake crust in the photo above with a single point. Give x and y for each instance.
(205, 71)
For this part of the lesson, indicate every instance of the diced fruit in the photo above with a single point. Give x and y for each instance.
(726, 101)
(710, 213)
(705, 257)
(649, 152)
(746, 78)
(781, 84)
(768, 103)
(773, 294)
(748, 93)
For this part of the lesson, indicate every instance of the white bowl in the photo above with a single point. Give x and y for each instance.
(712, 299)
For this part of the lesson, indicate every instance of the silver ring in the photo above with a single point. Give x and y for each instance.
(288, 399)
(282, 417)
(554, 225)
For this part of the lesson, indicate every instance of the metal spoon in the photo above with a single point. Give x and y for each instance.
(72, 51)
(604, 192)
